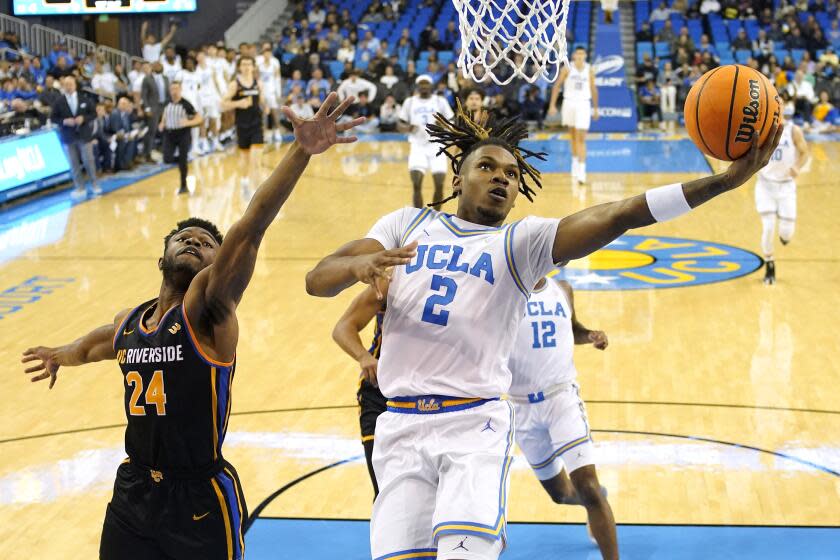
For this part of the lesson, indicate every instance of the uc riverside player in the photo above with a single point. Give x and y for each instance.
(175, 496)
(458, 292)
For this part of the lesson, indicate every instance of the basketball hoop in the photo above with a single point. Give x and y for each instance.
(507, 39)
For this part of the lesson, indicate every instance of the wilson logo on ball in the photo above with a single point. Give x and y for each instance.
(750, 111)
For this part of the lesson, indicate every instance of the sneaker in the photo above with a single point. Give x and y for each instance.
(770, 273)
(96, 189)
(191, 183)
(78, 193)
(183, 190)
(217, 146)
(278, 137)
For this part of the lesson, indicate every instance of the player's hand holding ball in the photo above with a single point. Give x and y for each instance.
(317, 134)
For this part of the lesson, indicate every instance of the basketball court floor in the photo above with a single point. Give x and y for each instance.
(715, 409)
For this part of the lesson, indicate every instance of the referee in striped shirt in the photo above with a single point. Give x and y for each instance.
(175, 123)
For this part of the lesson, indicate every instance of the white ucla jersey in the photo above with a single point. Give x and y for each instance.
(419, 112)
(206, 82)
(190, 85)
(782, 159)
(453, 312)
(542, 355)
(171, 71)
(576, 87)
(268, 72)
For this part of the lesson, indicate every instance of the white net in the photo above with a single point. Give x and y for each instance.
(507, 39)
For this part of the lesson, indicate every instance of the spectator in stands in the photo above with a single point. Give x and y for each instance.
(318, 80)
(661, 13)
(151, 48)
(650, 98)
(49, 93)
(296, 81)
(104, 82)
(376, 66)
(683, 40)
(443, 91)
(666, 34)
(829, 57)
(59, 51)
(826, 116)
(75, 113)
(154, 95)
(741, 41)
(709, 7)
(644, 34)
(705, 45)
(23, 116)
(388, 79)
(317, 14)
(533, 106)
(389, 113)
(102, 153)
(363, 108)
(370, 45)
(121, 123)
(816, 41)
(347, 52)
(647, 71)
(802, 93)
(122, 79)
(411, 72)
(450, 37)
(451, 77)
(763, 46)
(795, 40)
(61, 69)
(354, 85)
(667, 82)
(709, 60)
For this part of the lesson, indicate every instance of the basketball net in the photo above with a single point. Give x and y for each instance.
(507, 39)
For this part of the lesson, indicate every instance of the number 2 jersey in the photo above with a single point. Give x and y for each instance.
(543, 355)
(177, 399)
(454, 311)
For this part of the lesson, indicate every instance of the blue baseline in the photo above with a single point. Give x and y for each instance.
(320, 539)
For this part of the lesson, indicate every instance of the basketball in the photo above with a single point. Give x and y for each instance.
(726, 106)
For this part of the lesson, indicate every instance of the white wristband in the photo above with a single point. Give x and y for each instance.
(666, 203)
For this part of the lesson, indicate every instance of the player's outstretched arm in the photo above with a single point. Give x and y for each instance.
(584, 232)
(234, 264)
(582, 335)
(362, 310)
(362, 260)
(168, 37)
(95, 346)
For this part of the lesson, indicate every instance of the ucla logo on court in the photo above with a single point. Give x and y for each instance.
(639, 262)
(427, 405)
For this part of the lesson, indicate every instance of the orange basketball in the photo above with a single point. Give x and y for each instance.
(726, 106)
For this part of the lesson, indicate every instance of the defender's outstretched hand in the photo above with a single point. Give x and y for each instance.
(47, 363)
(317, 134)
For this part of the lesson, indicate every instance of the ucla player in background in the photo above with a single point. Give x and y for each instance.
(175, 496)
(191, 91)
(580, 105)
(210, 102)
(269, 69)
(459, 286)
(551, 426)
(365, 308)
(775, 193)
(418, 111)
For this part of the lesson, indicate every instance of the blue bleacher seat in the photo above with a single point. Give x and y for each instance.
(797, 55)
(733, 25)
(742, 55)
(662, 48)
(336, 68)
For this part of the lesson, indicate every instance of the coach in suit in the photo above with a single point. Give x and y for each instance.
(75, 114)
(154, 94)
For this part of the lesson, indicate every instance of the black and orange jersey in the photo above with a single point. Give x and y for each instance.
(177, 399)
(253, 115)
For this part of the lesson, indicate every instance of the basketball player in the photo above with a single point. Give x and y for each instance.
(551, 426)
(210, 101)
(775, 194)
(417, 111)
(364, 308)
(175, 496)
(580, 104)
(269, 69)
(244, 96)
(458, 290)
(191, 91)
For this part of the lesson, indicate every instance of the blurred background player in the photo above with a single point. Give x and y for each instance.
(580, 105)
(775, 193)
(551, 426)
(178, 120)
(210, 101)
(417, 112)
(364, 308)
(244, 96)
(151, 47)
(269, 71)
(191, 91)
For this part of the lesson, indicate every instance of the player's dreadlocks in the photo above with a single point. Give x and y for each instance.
(209, 227)
(466, 135)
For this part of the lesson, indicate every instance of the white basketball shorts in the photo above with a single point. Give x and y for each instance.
(576, 113)
(442, 468)
(270, 98)
(210, 107)
(776, 197)
(554, 432)
(426, 158)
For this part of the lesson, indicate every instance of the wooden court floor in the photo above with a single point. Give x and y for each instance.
(714, 404)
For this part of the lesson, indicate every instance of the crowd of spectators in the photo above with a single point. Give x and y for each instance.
(807, 76)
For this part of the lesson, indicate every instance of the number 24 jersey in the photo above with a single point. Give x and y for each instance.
(454, 311)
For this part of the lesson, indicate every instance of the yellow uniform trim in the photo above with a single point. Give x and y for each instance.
(225, 517)
(367, 438)
(239, 506)
(195, 341)
(429, 554)
(396, 404)
(214, 404)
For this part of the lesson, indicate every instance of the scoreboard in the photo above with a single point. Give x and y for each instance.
(81, 7)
